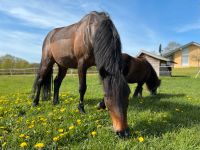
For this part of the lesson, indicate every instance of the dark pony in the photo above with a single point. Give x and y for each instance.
(93, 40)
(139, 70)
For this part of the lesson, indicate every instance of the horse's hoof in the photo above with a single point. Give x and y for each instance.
(101, 105)
(55, 102)
(135, 95)
(34, 104)
(81, 109)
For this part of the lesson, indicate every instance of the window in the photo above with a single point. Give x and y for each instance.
(185, 59)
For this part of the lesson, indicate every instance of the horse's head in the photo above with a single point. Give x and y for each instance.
(153, 90)
(116, 99)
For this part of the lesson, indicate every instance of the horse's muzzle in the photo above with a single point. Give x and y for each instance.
(124, 134)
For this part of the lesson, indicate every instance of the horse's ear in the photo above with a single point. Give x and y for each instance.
(103, 73)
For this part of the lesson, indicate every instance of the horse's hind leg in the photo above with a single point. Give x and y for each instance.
(82, 70)
(136, 91)
(46, 65)
(57, 82)
(140, 92)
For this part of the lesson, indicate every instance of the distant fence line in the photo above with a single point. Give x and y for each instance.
(164, 70)
(26, 71)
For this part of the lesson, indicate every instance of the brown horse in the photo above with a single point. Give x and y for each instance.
(138, 70)
(93, 40)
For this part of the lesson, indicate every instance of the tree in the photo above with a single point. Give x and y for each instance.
(9, 61)
(160, 49)
(171, 46)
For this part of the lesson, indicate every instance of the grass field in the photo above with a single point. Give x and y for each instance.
(168, 121)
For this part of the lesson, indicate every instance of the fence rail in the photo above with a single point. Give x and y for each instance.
(26, 71)
(164, 70)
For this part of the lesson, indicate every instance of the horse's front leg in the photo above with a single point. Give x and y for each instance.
(82, 70)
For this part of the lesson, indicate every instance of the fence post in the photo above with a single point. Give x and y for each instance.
(11, 72)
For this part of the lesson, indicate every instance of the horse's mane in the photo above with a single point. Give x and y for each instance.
(108, 58)
(95, 13)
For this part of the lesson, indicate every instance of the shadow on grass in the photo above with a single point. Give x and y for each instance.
(179, 115)
(176, 76)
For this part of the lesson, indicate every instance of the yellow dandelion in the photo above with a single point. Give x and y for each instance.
(55, 139)
(31, 126)
(22, 135)
(62, 109)
(93, 133)
(27, 137)
(44, 123)
(78, 121)
(61, 135)
(141, 139)
(23, 144)
(60, 130)
(39, 145)
(71, 127)
(98, 126)
(4, 144)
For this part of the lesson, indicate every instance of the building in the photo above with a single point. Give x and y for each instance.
(187, 55)
(161, 65)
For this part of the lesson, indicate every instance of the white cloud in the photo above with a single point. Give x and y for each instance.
(39, 13)
(22, 44)
(188, 27)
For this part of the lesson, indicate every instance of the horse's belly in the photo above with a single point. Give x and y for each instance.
(67, 62)
(63, 53)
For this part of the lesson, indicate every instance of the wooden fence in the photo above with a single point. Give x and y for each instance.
(164, 70)
(26, 71)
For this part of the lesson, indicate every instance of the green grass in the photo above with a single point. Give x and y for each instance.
(167, 121)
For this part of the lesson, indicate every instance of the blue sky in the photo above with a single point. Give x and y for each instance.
(142, 24)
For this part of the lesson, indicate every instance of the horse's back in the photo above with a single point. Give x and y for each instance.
(72, 43)
(137, 69)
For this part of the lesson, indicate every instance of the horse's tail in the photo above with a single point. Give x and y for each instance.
(34, 88)
(45, 84)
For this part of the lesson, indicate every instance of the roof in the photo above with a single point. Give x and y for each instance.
(180, 48)
(153, 55)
